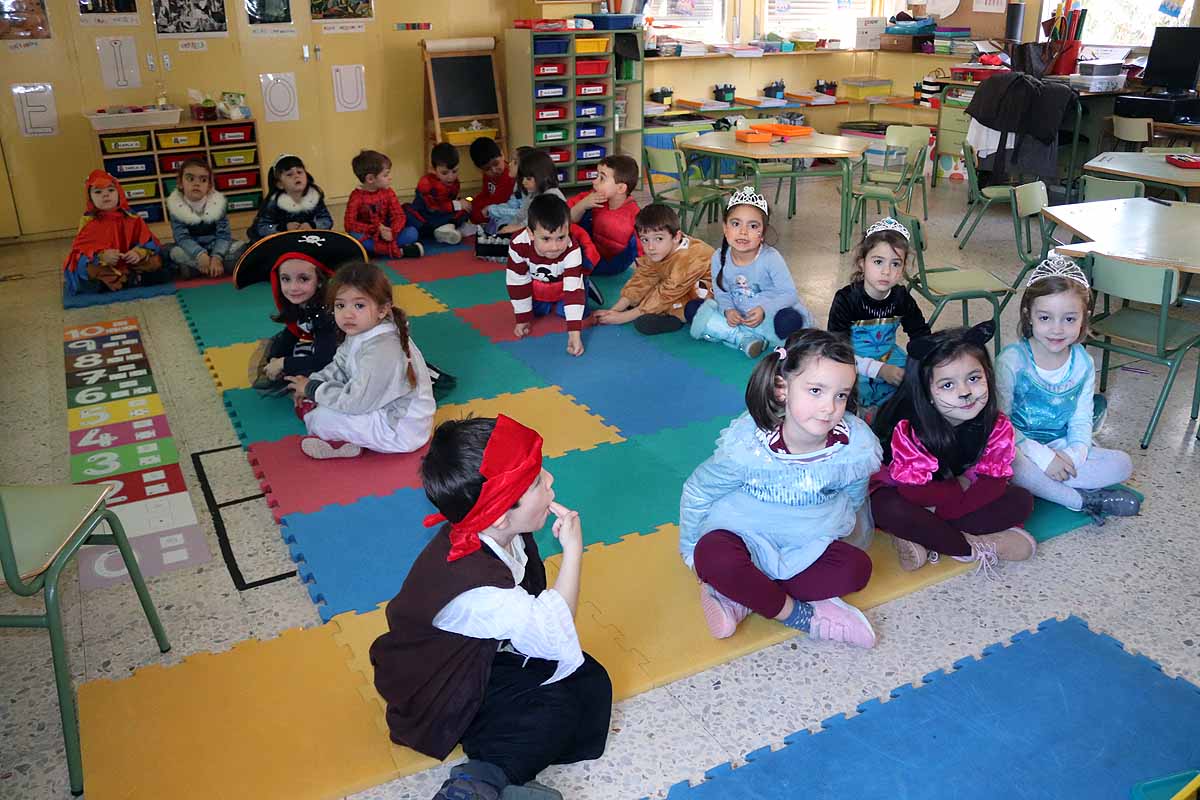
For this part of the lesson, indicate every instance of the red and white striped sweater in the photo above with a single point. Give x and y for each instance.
(532, 277)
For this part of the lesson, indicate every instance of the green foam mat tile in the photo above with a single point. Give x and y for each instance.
(724, 363)
(261, 419)
(221, 315)
(481, 368)
(1050, 519)
(686, 448)
(468, 290)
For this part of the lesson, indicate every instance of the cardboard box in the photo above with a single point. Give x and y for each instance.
(867, 31)
(904, 42)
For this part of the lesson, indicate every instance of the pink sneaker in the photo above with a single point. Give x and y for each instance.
(838, 620)
(315, 447)
(721, 613)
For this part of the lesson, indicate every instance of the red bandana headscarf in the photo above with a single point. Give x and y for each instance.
(512, 461)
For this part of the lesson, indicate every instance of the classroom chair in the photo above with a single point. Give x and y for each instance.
(1133, 132)
(907, 137)
(902, 191)
(979, 199)
(1169, 339)
(41, 530)
(1028, 201)
(1096, 189)
(945, 285)
(686, 196)
(1179, 148)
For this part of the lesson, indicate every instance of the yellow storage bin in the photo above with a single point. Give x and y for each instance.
(463, 138)
(141, 190)
(593, 45)
(860, 88)
(235, 158)
(125, 142)
(170, 140)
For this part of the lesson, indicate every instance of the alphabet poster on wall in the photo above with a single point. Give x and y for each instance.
(187, 19)
(108, 13)
(25, 19)
(119, 62)
(281, 100)
(37, 114)
(349, 87)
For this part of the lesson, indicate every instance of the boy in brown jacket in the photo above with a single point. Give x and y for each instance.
(669, 281)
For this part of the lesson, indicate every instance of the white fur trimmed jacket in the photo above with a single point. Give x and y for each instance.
(280, 209)
(204, 232)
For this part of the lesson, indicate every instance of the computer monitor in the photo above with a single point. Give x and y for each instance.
(1174, 59)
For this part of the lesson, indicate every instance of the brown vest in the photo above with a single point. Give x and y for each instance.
(433, 681)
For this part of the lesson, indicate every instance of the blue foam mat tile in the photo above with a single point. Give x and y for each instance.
(220, 315)
(356, 556)
(120, 296)
(1067, 715)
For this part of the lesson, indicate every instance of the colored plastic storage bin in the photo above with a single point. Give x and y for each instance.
(559, 155)
(151, 212)
(173, 140)
(463, 138)
(543, 69)
(583, 110)
(544, 135)
(589, 173)
(235, 158)
(592, 45)
(586, 152)
(544, 90)
(610, 22)
(561, 175)
(140, 190)
(551, 45)
(125, 142)
(168, 185)
(861, 88)
(242, 179)
(588, 131)
(171, 162)
(590, 89)
(243, 202)
(591, 66)
(549, 112)
(231, 134)
(130, 167)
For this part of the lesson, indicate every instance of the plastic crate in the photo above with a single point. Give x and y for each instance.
(545, 135)
(241, 156)
(230, 134)
(551, 45)
(241, 180)
(587, 152)
(589, 131)
(151, 212)
(125, 142)
(542, 91)
(591, 66)
(543, 69)
(862, 88)
(589, 173)
(590, 46)
(132, 167)
(559, 155)
(171, 162)
(585, 110)
(561, 175)
(140, 190)
(549, 112)
(610, 22)
(462, 138)
(591, 89)
(173, 140)
(244, 202)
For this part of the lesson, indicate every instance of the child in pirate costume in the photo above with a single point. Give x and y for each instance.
(479, 650)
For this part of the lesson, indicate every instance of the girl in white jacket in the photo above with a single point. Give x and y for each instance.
(377, 392)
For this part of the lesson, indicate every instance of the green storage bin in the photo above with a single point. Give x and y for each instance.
(248, 201)
(550, 134)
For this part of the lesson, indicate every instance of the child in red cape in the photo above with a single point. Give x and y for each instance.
(114, 248)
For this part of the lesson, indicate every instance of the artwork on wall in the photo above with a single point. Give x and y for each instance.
(188, 19)
(24, 19)
(37, 113)
(118, 62)
(281, 100)
(332, 10)
(349, 87)
(268, 12)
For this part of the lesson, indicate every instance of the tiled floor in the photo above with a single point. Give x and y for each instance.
(1130, 578)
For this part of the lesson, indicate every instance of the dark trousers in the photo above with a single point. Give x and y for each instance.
(617, 263)
(524, 727)
(722, 560)
(910, 521)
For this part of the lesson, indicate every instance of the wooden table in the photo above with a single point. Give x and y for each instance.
(1138, 229)
(843, 149)
(1149, 168)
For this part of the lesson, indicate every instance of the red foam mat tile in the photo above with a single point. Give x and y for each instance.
(495, 321)
(454, 264)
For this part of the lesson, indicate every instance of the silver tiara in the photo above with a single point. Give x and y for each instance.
(746, 196)
(888, 224)
(1058, 267)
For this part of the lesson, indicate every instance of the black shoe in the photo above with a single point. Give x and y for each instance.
(530, 791)
(473, 780)
(443, 382)
(1118, 502)
(654, 324)
(593, 292)
(412, 250)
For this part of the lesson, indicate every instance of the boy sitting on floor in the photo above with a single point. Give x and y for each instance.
(497, 179)
(478, 649)
(436, 210)
(669, 281)
(607, 214)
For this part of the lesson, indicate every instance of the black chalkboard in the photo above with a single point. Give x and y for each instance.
(466, 85)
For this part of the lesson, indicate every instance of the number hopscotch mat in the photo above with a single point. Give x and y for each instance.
(118, 435)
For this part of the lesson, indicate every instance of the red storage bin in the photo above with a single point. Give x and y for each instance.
(587, 174)
(559, 155)
(590, 89)
(543, 68)
(231, 134)
(171, 162)
(549, 112)
(240, 180)
(591, 66)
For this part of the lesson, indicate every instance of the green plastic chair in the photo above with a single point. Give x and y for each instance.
(686, 196)
(1181, 148)
(908, 137)
(893, 194)
(41, 530)
(945, 285)
(1168, 339)
(1096, 189)
(980, 199)
(1028, 201)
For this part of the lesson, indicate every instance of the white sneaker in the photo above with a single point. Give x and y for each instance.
(447, 234)
(315, 447)
(468, 229)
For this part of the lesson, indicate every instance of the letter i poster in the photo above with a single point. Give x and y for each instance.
(119, 436)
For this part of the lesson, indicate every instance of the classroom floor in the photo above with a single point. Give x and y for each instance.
(1129, 578)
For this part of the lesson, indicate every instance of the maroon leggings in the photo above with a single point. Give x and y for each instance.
(910, 521)
(723, 562)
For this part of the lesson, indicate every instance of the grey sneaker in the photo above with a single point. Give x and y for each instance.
(1118, 502)
(530, 791)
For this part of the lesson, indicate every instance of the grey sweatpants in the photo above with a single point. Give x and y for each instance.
(1102, 468)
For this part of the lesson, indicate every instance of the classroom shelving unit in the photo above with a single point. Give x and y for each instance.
(572, 96)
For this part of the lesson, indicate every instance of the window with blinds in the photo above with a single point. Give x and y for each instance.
(829, 19)
(703, 20)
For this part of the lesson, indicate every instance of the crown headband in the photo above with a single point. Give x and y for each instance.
(888, 224)
(746, 196)
(1058, 267)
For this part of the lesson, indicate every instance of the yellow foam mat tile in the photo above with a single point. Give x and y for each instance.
(283, 718)
(564, 424)
(416, 301)
(230, 366)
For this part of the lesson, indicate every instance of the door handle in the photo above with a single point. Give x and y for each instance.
(304, 53)
(151, 66)
(317, 50)
(166, 59)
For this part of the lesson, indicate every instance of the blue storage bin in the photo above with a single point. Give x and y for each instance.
(562, 175)
(151, 212)
(587, 152)
(584, 110)
(551, 46)
(610, 22)
(130, 166)
(545, 90)
(588, 131)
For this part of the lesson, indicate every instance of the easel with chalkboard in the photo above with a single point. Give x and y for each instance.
(463, 86)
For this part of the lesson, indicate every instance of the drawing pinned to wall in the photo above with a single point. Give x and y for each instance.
(349, 87)
(190, 18)
(108, 13)
(37, 114)
(24, 19)
(281, 100)
(323, 10)
(118, 62)
(414, 26)
(268, 12)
